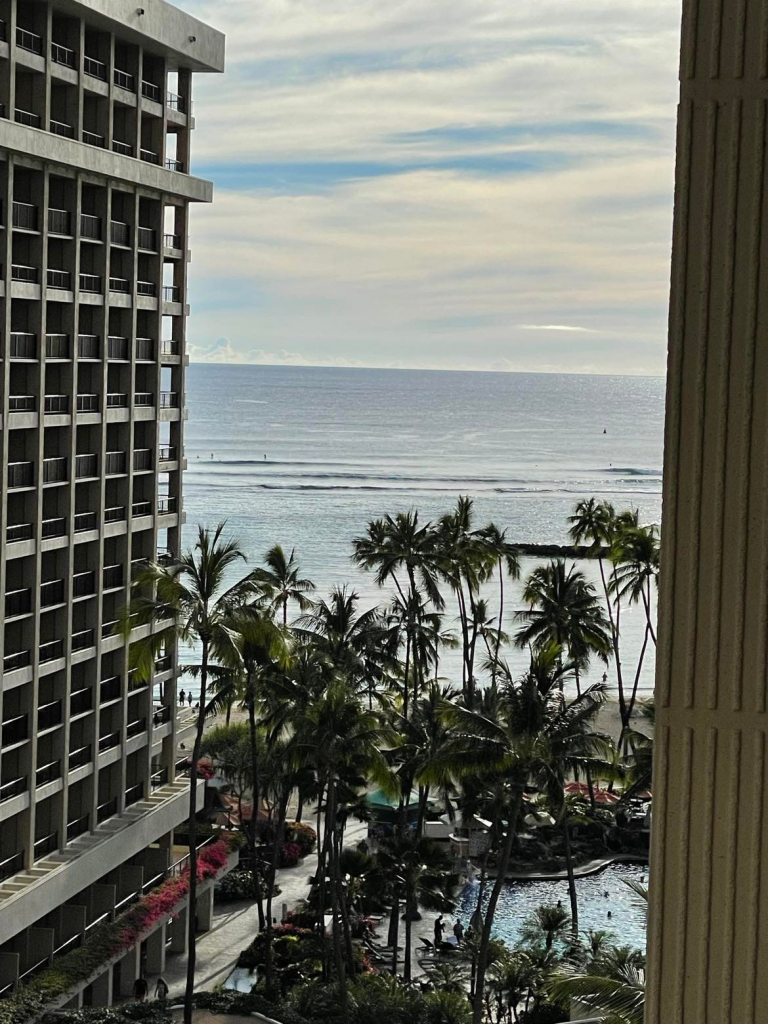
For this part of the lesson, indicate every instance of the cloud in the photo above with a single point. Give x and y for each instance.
(428, 184)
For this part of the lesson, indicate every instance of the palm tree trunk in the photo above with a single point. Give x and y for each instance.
(256, 800)
(341, 977)
(571, 880)
(485, 939)
(409, 909)
(423, 798)
(501, 622)
(192, 840)
(405, 677)
(394, 929)
(348, 948)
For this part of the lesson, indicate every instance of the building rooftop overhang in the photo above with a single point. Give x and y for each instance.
(184, 41)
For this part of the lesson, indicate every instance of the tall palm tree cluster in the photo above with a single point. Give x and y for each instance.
(339, 700)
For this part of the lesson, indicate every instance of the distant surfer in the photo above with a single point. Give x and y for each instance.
(604, 430)
(265, 456)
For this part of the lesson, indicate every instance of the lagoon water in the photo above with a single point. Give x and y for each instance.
(305, 456)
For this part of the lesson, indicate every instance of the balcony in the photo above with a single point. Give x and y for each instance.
(151, 91)
(49, 716)
(84, 584)
(63, 55)
(176, 102)
(123, 148)
(21, 272)
(56, 404)
(80, 702)
(88, 346)
(8, 790)
(90, 225)
(83, 640)
(17, 660)
(164, 663)
(21, 474)
(51, 593)
(60, 128)
(27, 117)
(46, 845)
(125, 80)
(91, 283)
(61, 279)
(95, 68)
(141, 508)
(53, 650)
(166, 506)
(149, 156)
(158, 778)
(174, 165)
(113, 577)
(109, 690)
(78, 758)
(59, 222)
(19, 532)
(146, 288)
(18, 603)
(11, 865)
(24, 216)
(57, 346)
(117, 348)
(171, 293)
(88, 403)
(115, 464)
(143, 399)
(162, 715)
(23, 345)
(166, 453)
(120, 284)
(15, 730)
(110, 628)
(115, 514)
(169, 400)
(93, 139)
(78, 827)
(136, 728)
(22, 403)
(116, 400)
(142, 460)
(109, 808)
(29, 40)
(119, 233)
(53, 528)
(134, 794)
(47, 773)
(147, 239)
(85, 521)
(86, 466)
(172, 241)
(145, 350)
(109, 742)
(54, 471)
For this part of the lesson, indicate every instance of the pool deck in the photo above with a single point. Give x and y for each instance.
(592, 867)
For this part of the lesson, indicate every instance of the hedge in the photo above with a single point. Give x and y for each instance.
(242, 1004)
(108, 940)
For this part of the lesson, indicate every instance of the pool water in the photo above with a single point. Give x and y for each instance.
(598, 895)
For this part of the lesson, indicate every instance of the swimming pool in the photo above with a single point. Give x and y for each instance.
(519, 899)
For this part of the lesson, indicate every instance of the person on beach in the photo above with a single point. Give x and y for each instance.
(182, 695)
(458, 931)
(439, 931)
(189, 698)
(161, 990)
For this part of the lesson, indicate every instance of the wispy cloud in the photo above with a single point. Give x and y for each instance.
(426, 184)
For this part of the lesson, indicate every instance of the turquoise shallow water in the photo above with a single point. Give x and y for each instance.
(343, 446)
(598, 895)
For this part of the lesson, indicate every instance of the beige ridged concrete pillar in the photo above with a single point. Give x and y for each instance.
(708, 928)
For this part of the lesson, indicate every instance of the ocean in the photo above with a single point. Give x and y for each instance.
(306, 456)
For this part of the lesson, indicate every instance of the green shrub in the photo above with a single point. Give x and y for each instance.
(446, 1008)
(143, 1013)
(543, 1014)
(240, 885)
(303, 835)
(241, 1004)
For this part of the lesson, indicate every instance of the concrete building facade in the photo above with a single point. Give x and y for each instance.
(95, 191)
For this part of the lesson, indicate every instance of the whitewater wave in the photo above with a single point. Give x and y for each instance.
(631, 471)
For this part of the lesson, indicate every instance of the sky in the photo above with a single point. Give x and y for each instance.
(454, 184)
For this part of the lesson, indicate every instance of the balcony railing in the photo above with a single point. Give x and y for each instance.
(109, 742)
(46, 845)
(90, 283)
(109, 628)
(171, 293)
(115, 463)
(174, 165)
(53, 528)
(141, 508)
(88, 403)
(11, 865)
(60, 128)
(22, 403)
(120, 284)
(8, 790)
(82, 640)
(134, 794)
(176, 102)
(25, 216)
(59, 222)
(47, 773)
(78, 758)
(109, 807)
(158, 778)
(80, 702)
(151, 91)
(115, 400)
(146, 288)
(63, 55)
(169, 400)
(29, 40)
(147, 238)
(15, 730)
(124, 148)
(161, 715)
(166, 506)
(113, 577)
(145, 349)
(166, 453)
(117, 348)
(57, 346)
(86, 465)
(172, 241)
(93, 139)
(76, 828)
(90, 226)
(143, 399)
(21, 474)
(19, 532)
(95, 68)
(125, 80)
(23, 345)
(115, 514)
(59, 279)
(164, 663)
(54, 471)
(49, 715)
(21, 272)
(109, 689)
(27, 117)
(51, 593)
(56, 403)
(149, 156)
(142, 459)
(18, 602)
(84, 584)
(85, 521)
(136, 728)
(88, 345)
(51, 651)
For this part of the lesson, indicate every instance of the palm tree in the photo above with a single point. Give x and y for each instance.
(507, 557)
(187, 599)
(281, 581)
(564, 610)
(548, 922)
(613, 987)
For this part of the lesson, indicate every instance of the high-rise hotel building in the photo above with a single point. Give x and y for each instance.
(96, 119)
